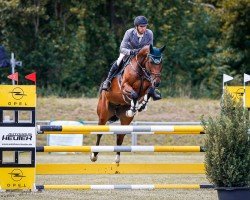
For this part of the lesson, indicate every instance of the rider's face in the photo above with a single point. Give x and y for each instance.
(141, 29)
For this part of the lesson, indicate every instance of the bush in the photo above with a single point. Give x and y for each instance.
(227, 157)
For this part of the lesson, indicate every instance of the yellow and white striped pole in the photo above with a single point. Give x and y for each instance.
(128, 187)
(120, 149)
(116, 129)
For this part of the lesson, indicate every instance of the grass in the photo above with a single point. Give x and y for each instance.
(173, 109)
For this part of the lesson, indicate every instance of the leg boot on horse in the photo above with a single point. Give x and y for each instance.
(134, 105)
(152, 93)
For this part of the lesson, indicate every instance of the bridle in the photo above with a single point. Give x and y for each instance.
(149, 75)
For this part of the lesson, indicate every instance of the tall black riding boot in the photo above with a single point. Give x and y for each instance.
(155, 94)
(106, 83)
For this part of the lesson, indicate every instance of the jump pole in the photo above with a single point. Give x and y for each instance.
(123, 168)
(86, 129)
(122, 187)
(120, 149)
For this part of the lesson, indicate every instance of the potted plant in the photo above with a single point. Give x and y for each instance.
(227, 156)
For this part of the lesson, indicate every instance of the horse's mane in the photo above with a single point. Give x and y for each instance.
(144, 51)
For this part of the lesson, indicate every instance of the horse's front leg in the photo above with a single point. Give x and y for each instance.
(143, 105)
(146, 99)
(133, 105)
(128, 90)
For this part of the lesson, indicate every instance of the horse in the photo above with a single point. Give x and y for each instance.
(130, 91)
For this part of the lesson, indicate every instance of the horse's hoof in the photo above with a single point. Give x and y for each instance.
(129, 113)
(117, 161)
(93, 158)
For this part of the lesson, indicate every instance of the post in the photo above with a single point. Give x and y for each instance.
(13, 65)
(134, 137)
(15, 175)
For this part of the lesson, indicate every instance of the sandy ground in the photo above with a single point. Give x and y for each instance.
(115, 194)
(181, 194)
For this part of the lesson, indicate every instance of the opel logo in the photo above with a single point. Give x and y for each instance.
(240, 93)
(17, 93)
(16, 175)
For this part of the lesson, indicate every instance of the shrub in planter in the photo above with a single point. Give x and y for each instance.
(227, 157)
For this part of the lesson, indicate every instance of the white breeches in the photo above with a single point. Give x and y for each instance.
(121, 56)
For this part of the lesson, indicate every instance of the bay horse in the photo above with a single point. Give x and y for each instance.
(130, 92)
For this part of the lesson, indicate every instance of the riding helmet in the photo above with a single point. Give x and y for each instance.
(140, 20)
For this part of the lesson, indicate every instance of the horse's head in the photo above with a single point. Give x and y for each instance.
(153, 64)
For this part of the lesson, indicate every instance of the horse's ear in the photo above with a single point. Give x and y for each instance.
(151, 48)
(162, 48)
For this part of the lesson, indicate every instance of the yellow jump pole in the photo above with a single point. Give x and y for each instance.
(123, 168)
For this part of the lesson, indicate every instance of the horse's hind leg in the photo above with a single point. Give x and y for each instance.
(103, 114)
(119, 140)
(93, 156)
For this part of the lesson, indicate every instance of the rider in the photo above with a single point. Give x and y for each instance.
(133, 40)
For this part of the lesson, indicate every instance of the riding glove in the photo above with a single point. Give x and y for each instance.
(134, 52)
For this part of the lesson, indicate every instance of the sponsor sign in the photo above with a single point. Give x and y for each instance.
(17, 178)
(17, 96)
(238, 93)
(17, 136)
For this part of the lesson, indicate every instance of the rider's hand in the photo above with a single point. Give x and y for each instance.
(134, 52)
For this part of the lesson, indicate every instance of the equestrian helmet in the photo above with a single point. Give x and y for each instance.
(141, 20)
